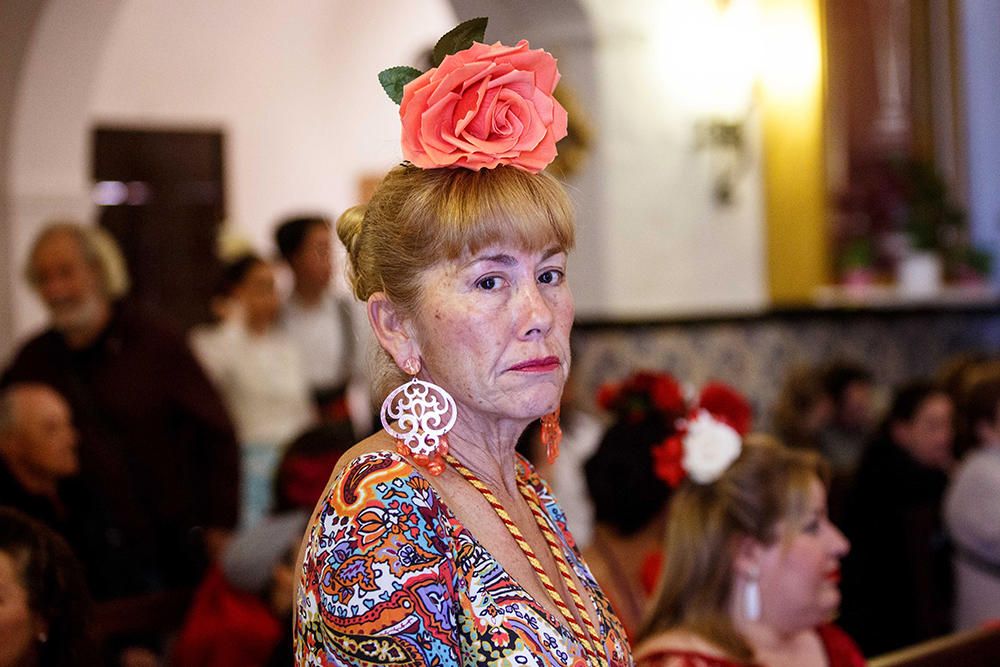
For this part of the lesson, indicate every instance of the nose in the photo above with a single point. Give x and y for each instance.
(840, 545)
(536, 315)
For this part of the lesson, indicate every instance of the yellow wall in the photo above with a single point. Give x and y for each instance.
(792, 95)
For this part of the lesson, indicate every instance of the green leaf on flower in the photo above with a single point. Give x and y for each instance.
(394, 78)
(459, 38)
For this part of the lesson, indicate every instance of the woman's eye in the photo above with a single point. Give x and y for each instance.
(488, 283)
(551, 277)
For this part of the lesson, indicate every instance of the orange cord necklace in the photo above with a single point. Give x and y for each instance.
(590, 639)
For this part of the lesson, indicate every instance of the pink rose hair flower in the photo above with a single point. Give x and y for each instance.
(484, 106)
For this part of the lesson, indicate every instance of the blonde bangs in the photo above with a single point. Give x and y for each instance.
(465, 211)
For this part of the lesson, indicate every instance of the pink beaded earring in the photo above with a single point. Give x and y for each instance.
(418, 415)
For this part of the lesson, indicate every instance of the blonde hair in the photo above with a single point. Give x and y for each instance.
(768, 483)
(99, 249)
(419, 217)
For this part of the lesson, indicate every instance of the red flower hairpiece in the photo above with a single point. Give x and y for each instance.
(727, 405)
(642, 393)
(708, 441)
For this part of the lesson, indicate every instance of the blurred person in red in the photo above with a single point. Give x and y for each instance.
(751, 558)
(242, 612)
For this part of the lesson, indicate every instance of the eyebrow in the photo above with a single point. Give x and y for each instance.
(509, 260)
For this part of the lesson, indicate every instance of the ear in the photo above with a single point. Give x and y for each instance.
(900, 432)
(393, 331)
(747, 557)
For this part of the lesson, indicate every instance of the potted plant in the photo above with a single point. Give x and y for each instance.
(932, 225)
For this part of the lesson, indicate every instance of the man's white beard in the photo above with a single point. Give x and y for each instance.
(74, 318)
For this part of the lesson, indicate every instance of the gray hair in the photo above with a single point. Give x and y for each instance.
(99, 249)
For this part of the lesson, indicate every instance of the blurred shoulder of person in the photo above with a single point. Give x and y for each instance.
(972, 508)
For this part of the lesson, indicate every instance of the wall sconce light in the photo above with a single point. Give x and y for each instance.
(725, 143)
(729, 58)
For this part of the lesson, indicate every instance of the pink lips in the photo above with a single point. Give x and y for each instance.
(543, 365)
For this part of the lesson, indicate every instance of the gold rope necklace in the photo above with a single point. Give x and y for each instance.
(590, 639)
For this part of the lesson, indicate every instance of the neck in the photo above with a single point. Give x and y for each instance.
(625, 548)
(490, 453)
(258, 327)
(81, 337)
(768, 633)
(34, 483)
(309, 295)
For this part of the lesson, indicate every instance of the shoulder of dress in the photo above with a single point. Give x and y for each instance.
(376, 477)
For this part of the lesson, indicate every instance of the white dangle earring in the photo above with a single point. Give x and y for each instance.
(751, 599)
(418, 415)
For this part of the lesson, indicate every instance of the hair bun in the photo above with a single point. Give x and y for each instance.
(349, 226)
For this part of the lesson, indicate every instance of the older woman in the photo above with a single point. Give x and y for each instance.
(435, 544)
(752, 562)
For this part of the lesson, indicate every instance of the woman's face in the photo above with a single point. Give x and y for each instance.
(928, 436)
(258, 296)
(493, 329)
(18, 625)
(313, 262)
(800, 572)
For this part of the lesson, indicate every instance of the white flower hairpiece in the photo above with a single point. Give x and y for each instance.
(710, 447)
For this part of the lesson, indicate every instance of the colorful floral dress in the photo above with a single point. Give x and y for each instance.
(390, 577)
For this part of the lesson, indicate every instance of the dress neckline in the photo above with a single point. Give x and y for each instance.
(523, 595)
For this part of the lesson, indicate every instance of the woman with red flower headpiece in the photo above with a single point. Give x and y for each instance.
(628, 496)
(434, 543)
(643, 452)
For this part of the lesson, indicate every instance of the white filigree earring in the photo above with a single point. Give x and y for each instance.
(418, 415)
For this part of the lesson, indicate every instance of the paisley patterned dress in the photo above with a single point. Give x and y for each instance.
(390, 577)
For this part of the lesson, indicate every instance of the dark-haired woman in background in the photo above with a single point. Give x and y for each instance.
(897, 578)
(260, 374)
(631, 478)
(44, 604)
(629, 499)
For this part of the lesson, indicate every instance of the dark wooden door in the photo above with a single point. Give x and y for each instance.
(162, 196)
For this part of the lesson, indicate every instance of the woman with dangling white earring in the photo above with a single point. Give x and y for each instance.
(752, 562)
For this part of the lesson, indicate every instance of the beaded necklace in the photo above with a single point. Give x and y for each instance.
(590, 639)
